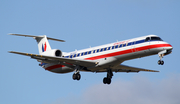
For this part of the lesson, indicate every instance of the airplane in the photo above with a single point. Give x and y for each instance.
(105, 58)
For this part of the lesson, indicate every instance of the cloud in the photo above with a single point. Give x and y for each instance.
(139, 90)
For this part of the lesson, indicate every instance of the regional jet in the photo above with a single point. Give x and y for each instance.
(105, 58)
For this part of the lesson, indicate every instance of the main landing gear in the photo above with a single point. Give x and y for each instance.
(161, 55)
(107, 80)
(76, 75)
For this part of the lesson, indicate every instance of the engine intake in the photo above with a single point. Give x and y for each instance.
(58, 53)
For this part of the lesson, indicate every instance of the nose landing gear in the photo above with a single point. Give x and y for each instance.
(161, 55)
(160, 62)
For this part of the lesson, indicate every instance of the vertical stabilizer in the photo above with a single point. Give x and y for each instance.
(43, 44)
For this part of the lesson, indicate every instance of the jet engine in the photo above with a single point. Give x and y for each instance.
(53, 52)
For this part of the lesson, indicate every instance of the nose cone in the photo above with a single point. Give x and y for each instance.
(170, 47)
(167, 46)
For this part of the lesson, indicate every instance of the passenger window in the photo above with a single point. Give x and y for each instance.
(120, 45)
(94, 51)
(85, 53)
(74, 55)
(116, 46)
(105, 49)
(78, 54)
(71, 56)
(101, 49)
(89, 52)
(97, 50)
(82, 54)
(124, 45)
(109, 48)
(112, 47)
(129, 44)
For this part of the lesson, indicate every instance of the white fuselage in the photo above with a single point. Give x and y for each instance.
(112, 54)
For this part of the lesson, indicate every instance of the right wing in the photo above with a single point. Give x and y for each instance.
(85, 63)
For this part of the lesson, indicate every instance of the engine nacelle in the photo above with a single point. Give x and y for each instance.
(53, 52)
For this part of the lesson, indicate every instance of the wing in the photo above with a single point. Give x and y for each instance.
(85, 63)
(124, 68)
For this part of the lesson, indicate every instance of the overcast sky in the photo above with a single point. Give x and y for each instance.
(83, 24)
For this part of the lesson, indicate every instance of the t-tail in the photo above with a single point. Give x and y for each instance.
(43, 44)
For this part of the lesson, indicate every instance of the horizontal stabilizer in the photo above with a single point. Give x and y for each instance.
(38, 36)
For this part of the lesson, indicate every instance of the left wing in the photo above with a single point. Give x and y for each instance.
(124, 68)
(85, 63)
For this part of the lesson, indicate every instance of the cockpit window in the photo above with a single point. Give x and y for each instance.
(156, 38)
(153, 39)
(147, 39)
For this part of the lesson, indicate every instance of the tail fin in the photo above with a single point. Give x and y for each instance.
(43, 44)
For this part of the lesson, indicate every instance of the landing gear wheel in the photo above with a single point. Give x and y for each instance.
(108, 80)
(74, 76)
(78, 76)
(105, 80)
(161, 62)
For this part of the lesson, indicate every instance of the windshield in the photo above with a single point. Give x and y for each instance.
(156, 38)
(147, 39)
